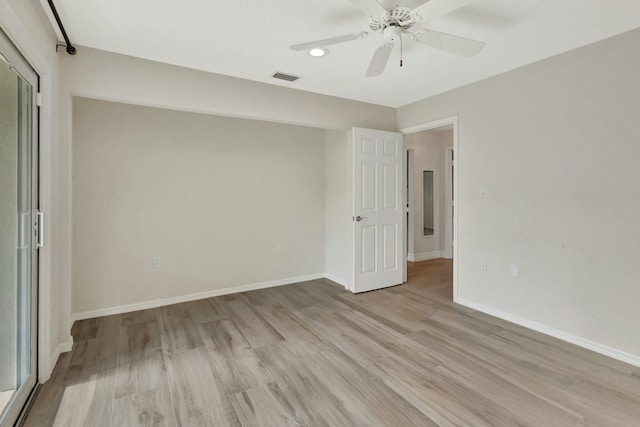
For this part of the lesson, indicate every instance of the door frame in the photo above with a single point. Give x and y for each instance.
(452, 120)
(450, 205)
(409, 201)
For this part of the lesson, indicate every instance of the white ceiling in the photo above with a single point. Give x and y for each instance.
(250, 39)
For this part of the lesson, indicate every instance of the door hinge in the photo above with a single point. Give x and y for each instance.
(39, 99)
(39, 229)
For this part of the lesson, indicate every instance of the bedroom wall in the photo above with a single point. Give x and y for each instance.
(557, 142)
(338, 207)
(226, 203)
(113, 77)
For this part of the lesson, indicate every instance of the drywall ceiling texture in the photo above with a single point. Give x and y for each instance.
(557, 141)
(224, 202)
(250, 39)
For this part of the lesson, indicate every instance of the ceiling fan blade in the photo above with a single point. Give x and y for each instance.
(371, 7)
(333, 40)
(379, 60)
(436, 8)
(411, 4)
(448, 42)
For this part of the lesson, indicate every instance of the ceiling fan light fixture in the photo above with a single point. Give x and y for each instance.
(395, 22)
(318, 52)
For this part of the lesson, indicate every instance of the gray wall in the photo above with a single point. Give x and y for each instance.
(108, 76)
(557, 141)
(338, 206)
(224, 202)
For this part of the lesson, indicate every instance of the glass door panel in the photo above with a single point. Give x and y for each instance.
(18, 256)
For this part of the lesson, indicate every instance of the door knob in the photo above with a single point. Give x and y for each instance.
(360, 218)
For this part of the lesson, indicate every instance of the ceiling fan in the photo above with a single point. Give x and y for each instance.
(394, 22)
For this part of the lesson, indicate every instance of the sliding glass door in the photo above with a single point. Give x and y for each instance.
(18, 232)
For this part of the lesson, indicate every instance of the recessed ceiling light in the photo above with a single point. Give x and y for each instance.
(318, 51)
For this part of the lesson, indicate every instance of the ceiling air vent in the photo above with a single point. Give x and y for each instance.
(286, 77)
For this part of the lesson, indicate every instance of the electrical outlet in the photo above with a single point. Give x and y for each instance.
(156, 261)
(279, 249)
(485, 191)
(515, 271)
(483, 265)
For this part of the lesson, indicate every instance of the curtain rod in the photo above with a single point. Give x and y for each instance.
(71, 50)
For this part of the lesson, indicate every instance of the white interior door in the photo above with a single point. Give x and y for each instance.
(378, 212)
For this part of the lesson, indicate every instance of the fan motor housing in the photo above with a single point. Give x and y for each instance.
(398, 16)
(392, 34)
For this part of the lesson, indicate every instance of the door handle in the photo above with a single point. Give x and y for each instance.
(360, 218)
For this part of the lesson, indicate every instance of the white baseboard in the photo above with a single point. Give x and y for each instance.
(337, 280)
(565, 336)
(65, 346)
(190, 297)
(424, 256)
(61, 348)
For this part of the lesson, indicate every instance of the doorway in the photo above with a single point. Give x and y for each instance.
(431, 182)
(18, 231)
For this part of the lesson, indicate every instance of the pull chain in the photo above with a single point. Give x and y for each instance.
(401, 50)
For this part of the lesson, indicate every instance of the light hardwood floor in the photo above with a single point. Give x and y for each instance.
(312, 354)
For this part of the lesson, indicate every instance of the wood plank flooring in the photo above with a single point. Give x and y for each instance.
(312, 354)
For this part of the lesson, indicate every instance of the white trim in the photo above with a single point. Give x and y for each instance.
(448, 226)
(61, 348)
(453, 120)
(409, 200)
(338, 280)
(564, 336)
(46, 257)
(424, 256)
(90, 314)
(406, 225)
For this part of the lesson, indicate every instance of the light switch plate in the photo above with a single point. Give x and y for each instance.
(515, 270)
